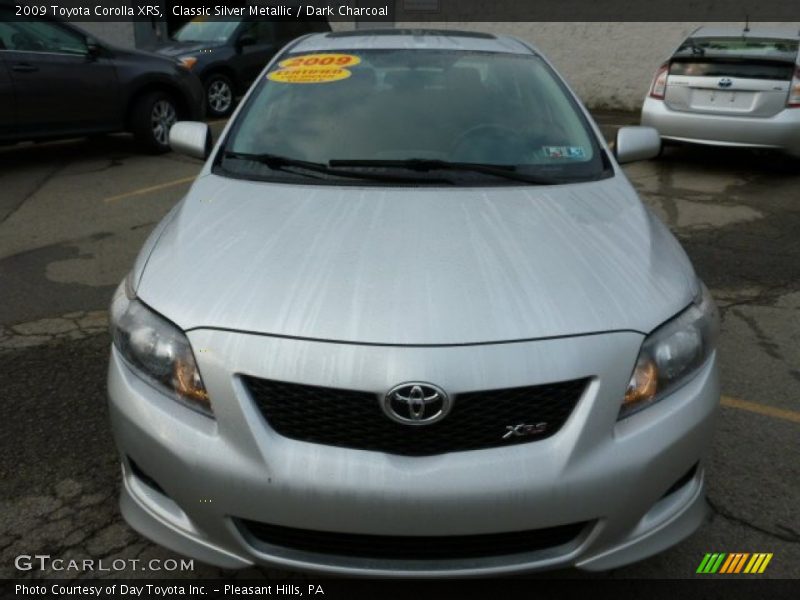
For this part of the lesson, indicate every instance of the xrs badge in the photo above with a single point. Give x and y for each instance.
(524, 430)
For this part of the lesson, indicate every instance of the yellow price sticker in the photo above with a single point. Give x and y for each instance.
(308, 75)
(320, 61)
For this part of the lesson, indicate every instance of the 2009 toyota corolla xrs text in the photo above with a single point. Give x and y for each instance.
(412, 319)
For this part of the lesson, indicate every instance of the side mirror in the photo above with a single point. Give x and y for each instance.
(192, 138)
(637, 143)
(246, 39)
(93, 47)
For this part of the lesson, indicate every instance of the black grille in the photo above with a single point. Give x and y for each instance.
(353, 419)
(410, 547)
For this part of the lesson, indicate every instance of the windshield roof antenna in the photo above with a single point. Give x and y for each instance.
(746, 23)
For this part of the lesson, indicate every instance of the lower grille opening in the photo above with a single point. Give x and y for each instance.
(409, 547)
(684, 479)
(145, 478)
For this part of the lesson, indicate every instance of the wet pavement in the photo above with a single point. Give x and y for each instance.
(74, 214)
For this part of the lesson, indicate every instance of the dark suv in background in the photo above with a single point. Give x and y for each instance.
(56, 81)
(229, 55)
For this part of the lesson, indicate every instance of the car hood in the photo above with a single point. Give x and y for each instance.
(415, 265)
(174, 49)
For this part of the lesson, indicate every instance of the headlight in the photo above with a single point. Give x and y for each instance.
(157, 351)
(672, 354)
(187, 61)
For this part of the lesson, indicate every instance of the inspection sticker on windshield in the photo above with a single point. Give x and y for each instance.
(574, 152)
(314, 68)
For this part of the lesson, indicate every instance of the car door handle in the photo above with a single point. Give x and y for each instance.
(24, 68)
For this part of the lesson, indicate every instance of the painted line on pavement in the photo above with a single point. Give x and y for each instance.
(152, 188)
(761, 409)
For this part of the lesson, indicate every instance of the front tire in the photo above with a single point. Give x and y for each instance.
(152, 117)
(219, 95)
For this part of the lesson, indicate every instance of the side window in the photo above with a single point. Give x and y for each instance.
(263, 31)
(6, 32)
(41, 36)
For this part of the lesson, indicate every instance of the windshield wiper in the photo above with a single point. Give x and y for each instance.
(277, 162)
(428, 164)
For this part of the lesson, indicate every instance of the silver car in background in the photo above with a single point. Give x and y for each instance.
(726, 86)
(413, 320)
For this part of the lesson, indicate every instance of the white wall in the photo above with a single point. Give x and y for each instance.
(609, 65)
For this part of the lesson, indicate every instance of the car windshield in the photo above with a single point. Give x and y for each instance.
(429, 111)
(202, 30)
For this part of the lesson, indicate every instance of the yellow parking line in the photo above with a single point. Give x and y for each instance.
(160, 186)
(761, 409)
(152, 188)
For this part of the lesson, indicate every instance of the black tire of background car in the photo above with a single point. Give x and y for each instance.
(141, 123)
(213, 78)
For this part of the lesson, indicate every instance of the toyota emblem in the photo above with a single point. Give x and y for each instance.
(416, 403)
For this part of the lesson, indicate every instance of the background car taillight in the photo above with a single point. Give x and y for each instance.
(659, 86)
(794, 90)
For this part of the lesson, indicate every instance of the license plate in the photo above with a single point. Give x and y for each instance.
(722, 99)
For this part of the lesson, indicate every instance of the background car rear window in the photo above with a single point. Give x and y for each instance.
(736, 57)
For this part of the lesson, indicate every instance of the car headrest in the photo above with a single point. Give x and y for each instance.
(465, 79)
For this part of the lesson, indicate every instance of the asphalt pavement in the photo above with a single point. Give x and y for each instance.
(74, 214)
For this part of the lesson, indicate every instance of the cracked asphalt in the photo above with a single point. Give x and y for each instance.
(74, 214)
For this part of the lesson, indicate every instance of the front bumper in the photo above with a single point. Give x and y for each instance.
(779, 132)
(612, 475)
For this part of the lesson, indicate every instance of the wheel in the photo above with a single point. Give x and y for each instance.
(219, 95)
(152, 117)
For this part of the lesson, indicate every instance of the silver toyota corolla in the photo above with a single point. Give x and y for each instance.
(725, 86)
(412, 320)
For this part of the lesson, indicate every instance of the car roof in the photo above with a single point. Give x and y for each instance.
(756, 31)
(411, 39)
